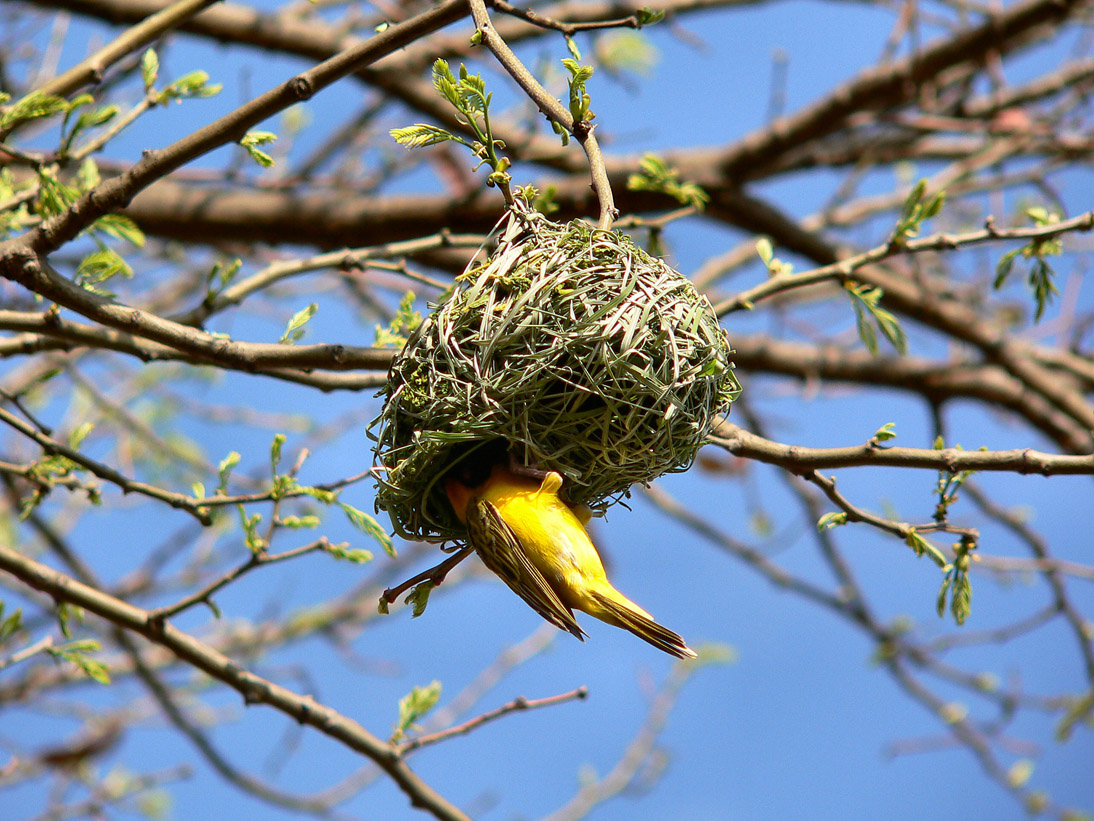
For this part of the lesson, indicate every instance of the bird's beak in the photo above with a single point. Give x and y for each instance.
(459, 495)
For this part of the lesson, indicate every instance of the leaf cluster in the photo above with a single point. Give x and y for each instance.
(957, 582)
(77, 652)
(284, 486)
(467, 94)
(1041, 277)
(402, 325)
(870, 318)
(413, 706)
(251, 142)
(917, 209)
(654, 174)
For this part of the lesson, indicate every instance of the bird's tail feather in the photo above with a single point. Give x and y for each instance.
(623, 614)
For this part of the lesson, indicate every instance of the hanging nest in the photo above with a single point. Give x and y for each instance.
(580, 351)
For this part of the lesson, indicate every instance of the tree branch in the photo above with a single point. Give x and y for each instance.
(254, 689)
(1024, 461)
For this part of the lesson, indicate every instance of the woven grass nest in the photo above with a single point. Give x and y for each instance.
(579, 350)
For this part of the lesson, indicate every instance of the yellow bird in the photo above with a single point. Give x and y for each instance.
(538, 546)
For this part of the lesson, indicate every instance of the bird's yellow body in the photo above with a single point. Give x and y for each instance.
(538, 546)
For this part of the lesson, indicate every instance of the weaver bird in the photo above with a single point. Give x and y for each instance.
(538, 546)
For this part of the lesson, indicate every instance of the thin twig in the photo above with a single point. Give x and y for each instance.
(552, 108)
(105, 472)
(516, 705)
(435, 575)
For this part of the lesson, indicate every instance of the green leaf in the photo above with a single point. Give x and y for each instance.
(1042, 282)
(65, 612)
(11, 625)
(225, 470)
(765, 251)
(102, 265)
(865, 330)
(445, 82)
(1042, 278)
(915, 211)
(295, 329)
(1019, 773)
(74, 105)
(419, 598)
(916, 542)
(472, 91)
(647, 16)
(940, 604)
(1080, 709)
(193, 85)
(150, 68)
(327, 497)
(34, 106)
(250, 142)
(403, 324)
(579, 99)
(885, 432)
(866, 303)
(830, 520)
(222, 274)
(275, 451)
(626, 50)
(89, 119)
(79, 433)
(562, 132)
(54, 197)
(366, 524)
(255, 543)
(414, 705)
(89, 177)
(911, 203)
(357, 555)
(1003, 269)
(299, 522)
(75, 652)
(122, 227)
(934, 205)
(655, 175)
(961, 598)
(421, 135)
(1039, 214)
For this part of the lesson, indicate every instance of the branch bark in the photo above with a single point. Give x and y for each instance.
(254, 689)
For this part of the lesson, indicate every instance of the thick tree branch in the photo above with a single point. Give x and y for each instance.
(896, 83)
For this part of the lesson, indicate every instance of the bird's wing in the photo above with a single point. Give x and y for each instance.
(502, 551)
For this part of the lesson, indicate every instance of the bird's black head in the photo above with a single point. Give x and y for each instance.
(473, 467)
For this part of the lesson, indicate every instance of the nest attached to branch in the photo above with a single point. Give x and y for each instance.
(579, 350)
